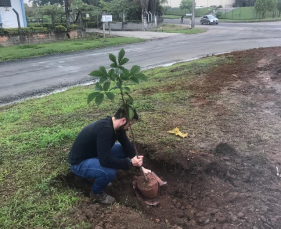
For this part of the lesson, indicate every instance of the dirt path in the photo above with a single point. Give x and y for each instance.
(224, 174)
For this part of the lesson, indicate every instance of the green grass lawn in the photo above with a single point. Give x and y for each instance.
(168, 16)
(198, 12)
(241, 14)
(248, 13)
(250, 20)
(36, 135)
(35, 50)
(170, 28)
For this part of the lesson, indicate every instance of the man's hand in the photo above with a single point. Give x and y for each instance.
(146, 171)
(137, 161)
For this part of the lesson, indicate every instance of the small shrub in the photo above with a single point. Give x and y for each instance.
(9, 31)
(27, 30)
(34, 25)
(60, 28)
(73, 27)
(219, 14)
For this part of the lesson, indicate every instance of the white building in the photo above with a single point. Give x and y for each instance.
(8, 18)
(204, 3)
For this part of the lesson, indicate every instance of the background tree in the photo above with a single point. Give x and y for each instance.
(272, 5)
(92, 2)
(265, 5)
(243, 3)
(279, 7)
(52, 10)
(160, 6)
(45, 2)
(165, 9)
(186, 4)
(121, 8)
(134, 13)
(30, 11)
(80, 8)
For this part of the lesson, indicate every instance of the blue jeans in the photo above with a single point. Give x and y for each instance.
(91, 168)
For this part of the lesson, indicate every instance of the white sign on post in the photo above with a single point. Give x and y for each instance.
(106, 18)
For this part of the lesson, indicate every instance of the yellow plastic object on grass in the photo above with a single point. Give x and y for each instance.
(176, 131)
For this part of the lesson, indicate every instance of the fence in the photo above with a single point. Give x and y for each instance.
(245, 13)
(198, 12)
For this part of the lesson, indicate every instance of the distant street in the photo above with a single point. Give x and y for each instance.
(21, 79)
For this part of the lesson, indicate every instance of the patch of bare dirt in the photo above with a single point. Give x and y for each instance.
(224, 174)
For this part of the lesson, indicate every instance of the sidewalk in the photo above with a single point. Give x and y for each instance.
(139, 34)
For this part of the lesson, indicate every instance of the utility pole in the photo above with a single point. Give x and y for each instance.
(193, 14)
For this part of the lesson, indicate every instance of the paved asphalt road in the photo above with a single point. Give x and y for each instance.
(22, 79)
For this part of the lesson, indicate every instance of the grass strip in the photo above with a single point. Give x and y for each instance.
(68, 46)
(171, 28)
(250, 20)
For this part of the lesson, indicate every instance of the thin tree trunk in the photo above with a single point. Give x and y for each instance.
(53, 21)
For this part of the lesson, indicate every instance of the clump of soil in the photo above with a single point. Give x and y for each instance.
(148, 187)
(223, 175)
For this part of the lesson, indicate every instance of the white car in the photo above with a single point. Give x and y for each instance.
(209, 19)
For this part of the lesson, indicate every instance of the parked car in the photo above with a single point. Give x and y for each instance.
(209, 19)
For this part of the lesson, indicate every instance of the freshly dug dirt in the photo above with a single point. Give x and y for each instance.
(223, 175)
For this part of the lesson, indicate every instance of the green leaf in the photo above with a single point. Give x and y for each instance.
(135, 69)
(124, 61)
(99, 98)
(96, 73)
(113, 65)
(131, 113)
(126, 89)
(103, 71)
(106, 86)
(110, 95)
(98, 87)
(141, 76)
(121, 56)
(102, 79)
(112, 75)
(134, 79)
(112, 58)
(124, 76)
(126, 71)
(92, 96)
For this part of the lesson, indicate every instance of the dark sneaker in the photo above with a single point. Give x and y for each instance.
(102, 198)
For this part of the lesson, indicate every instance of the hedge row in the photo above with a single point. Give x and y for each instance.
(32, 30)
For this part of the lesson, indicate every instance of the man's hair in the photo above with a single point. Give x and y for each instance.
(121, 113)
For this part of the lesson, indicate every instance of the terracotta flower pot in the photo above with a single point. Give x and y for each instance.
(149, 189)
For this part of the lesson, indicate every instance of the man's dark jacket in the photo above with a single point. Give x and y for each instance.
(96, 141)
